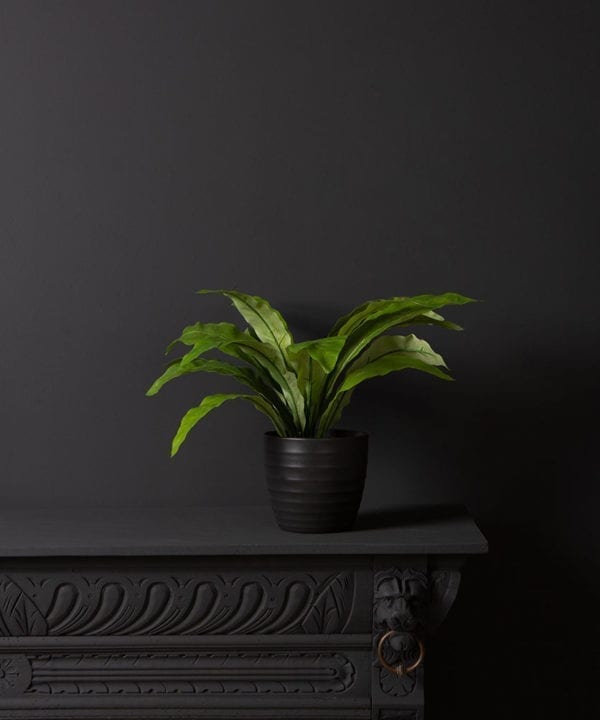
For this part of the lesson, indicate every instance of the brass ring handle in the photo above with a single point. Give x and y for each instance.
(399, 670)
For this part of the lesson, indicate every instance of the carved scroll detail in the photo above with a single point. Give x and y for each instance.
(203, 604)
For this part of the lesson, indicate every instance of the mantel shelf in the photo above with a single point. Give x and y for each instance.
(202, 531)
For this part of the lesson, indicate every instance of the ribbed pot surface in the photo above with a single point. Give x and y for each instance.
(316, 484)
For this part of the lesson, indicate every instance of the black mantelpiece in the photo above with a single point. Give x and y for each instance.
(216, 613)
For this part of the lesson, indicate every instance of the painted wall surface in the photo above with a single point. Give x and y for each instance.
(321, 154)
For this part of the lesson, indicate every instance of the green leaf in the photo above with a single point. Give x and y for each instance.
(324, 350)
(262, 346)
(231, 341)
(367, 311)
(432, 318)
(266, 322)
(194, 415)
(210, 403)
(262, 357)
(247, 376)
(392, 344)
(387, 364)
(375, 308)
(312, 361)
(203, 337)
(383, 317)
(311, 381)
(385, 354)
(263, 406)
(253, 378)
(173, 371)
(333, 413)
(436, 301)
(304, 387)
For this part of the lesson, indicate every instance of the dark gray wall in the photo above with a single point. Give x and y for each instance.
(319, 154)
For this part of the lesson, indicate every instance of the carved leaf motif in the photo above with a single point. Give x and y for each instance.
(19, 615)
(15, 674)
(397, 685)
(333, 606)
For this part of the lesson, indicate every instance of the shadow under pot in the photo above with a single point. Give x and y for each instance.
(316, 484)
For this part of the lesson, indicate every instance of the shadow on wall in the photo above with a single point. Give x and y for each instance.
(514, 444)
(516, 448)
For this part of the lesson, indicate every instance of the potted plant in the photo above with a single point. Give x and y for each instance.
(315, 472)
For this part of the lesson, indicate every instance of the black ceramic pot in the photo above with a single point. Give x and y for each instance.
(316, 484)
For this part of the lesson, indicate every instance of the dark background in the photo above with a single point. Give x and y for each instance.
(320, 154)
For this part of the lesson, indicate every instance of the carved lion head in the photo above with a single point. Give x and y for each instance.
(400, 599)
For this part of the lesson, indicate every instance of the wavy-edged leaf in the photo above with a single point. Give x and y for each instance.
(432, 318)
(311, 380)
(247, 376)
(210, 403)
(348, 322)
(404, 351)
(381, 320)
(231, 341)
(391, 344)
(387, 364)
(312, 361)
(266, 408)
(266, 322)
(436, 301)
(203, 337)
(261, 356)
(386, 354)
(325, 351)
(174, 370)
(294, 399)
(386, 306)
(368, 331)
(304, 387)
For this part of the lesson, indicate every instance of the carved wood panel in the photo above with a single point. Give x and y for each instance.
(162, 673)
(400, 604)
(193, 602)
(287, 633)
(408, 604)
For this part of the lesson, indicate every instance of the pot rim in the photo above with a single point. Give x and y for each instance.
(336, 434)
